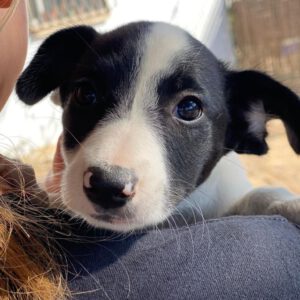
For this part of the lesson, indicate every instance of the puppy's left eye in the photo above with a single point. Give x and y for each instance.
(85, 95)
(189, 109)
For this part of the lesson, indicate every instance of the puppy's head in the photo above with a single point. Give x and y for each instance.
(147, 113)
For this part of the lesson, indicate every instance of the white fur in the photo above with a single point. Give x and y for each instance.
(163, 44)
(227, 183)
(130, 144)
(257, 119)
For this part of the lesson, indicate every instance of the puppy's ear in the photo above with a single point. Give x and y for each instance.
(253, 99)
(54, 62)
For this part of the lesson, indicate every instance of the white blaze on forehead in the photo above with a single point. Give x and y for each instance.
(162, 44)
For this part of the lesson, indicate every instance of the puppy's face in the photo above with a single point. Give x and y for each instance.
(146, 101)
(146, 117)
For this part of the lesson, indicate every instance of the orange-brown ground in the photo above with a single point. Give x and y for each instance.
(280, 167)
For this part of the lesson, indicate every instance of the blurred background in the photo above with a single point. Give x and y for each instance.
(259, 34)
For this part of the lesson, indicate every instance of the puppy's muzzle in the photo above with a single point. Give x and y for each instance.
(109, 186)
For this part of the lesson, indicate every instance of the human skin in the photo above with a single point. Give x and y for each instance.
(13, 45)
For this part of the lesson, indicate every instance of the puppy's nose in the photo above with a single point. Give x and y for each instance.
(109, 187)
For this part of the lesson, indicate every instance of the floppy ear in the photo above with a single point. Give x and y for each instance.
(253, 99)
(54, 62)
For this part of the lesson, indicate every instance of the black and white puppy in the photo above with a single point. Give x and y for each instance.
(148, 111)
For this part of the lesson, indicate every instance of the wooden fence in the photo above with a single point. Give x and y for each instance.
(267, 37)
(47, 16)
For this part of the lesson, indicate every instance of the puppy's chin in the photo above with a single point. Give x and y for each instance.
(119, 222)
(137, 214)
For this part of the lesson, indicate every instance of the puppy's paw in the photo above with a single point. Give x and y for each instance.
(268, 201)
(288, 209)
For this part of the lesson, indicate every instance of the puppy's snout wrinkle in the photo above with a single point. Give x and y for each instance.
(110, 186)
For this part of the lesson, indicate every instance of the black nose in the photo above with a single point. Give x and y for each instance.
(109, 187)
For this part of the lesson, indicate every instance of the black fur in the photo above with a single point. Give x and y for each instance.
(108, 61)
(54, 62)
(249, 87)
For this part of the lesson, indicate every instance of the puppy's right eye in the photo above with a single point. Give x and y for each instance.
(188, 109)
(85, 95)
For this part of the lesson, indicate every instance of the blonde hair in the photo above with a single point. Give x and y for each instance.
(9, 13)
(28, 268)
